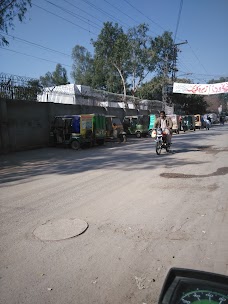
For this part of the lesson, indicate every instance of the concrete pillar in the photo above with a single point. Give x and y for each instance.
(4, 132)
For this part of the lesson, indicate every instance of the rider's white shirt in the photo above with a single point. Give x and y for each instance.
(163, 124)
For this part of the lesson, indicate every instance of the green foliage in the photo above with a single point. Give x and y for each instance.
(222, 97)
(163, 47)
(142, 60)
(152, 89)
(122, 61)
(191, 104)
(9, 10)
(112, 49)
(83, 66)
(58, 77)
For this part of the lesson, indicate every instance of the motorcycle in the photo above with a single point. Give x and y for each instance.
(194, 286)
(161, 140)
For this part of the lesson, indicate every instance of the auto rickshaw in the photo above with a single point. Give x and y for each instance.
(136, 125)
(78, 130)
(199, 121)
(152, 118)
(114, 129)
(188, 123)
(176, 122)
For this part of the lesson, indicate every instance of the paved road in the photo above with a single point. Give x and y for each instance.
(146, 213)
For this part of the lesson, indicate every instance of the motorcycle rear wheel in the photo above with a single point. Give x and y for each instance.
(158, 148)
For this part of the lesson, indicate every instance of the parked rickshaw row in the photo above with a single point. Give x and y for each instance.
(77, 131)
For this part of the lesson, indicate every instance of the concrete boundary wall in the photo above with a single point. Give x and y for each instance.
(26, 124)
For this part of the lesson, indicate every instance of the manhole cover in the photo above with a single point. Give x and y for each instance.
(62, 229)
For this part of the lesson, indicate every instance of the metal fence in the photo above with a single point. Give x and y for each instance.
(19, 87)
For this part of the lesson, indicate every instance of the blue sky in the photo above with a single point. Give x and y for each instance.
(203, 24)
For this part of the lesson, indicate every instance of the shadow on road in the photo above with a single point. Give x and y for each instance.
(138, 154)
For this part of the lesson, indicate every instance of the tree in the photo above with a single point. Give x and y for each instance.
(47, 80)
(152, 89)
(58, 77)
(163, 47)
(191, 104)
(142, 60)
(112, 48)
(222, 98)
(9, 10)
(83, 66)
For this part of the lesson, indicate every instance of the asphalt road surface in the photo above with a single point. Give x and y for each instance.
(145, 214)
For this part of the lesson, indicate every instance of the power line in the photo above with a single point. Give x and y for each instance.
(83, 11)
(104, 12)
(178, 19)
(198, 59)
(120, 11)
(74, 15)
(34, 56)
(209, 75)
(38, 45)
(64, 19)
(144, 15)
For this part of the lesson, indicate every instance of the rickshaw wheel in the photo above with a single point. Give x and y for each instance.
(138, 134)
(75, 145)
(100, 142)
(158, 148)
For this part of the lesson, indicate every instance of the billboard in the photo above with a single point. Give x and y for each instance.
(200, 89)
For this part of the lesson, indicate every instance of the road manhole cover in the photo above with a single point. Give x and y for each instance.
(56, 230)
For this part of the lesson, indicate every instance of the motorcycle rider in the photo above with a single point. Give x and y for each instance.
(166, 124)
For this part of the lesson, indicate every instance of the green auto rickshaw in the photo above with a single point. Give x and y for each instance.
(78, 130)
(136, 125)
(188, 123)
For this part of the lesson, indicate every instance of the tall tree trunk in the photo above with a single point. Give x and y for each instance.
(124, 84)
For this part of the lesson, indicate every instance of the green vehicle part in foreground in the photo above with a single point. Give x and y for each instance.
(78, 130)
(151, 123)
(136, 125)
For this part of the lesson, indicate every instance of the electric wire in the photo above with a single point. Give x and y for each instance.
(178, 20)
(64, 19)
(197, 58)
(75, 15)
(28, 55)
(145, 15)
(37, 45)
(75, 6)
(104, 12)
(120, 11)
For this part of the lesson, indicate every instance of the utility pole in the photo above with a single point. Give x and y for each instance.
(174, 67)
(168, 83)
(165, 81)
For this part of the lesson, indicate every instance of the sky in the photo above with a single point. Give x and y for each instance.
(58, 25)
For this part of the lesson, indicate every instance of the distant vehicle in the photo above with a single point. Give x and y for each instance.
(176, 122)
(78, 130)
(199, 121)
(136, 125)
(214, 117)
(114, 129)
(188, 123)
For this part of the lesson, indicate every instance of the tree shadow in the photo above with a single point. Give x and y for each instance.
(138, 154)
